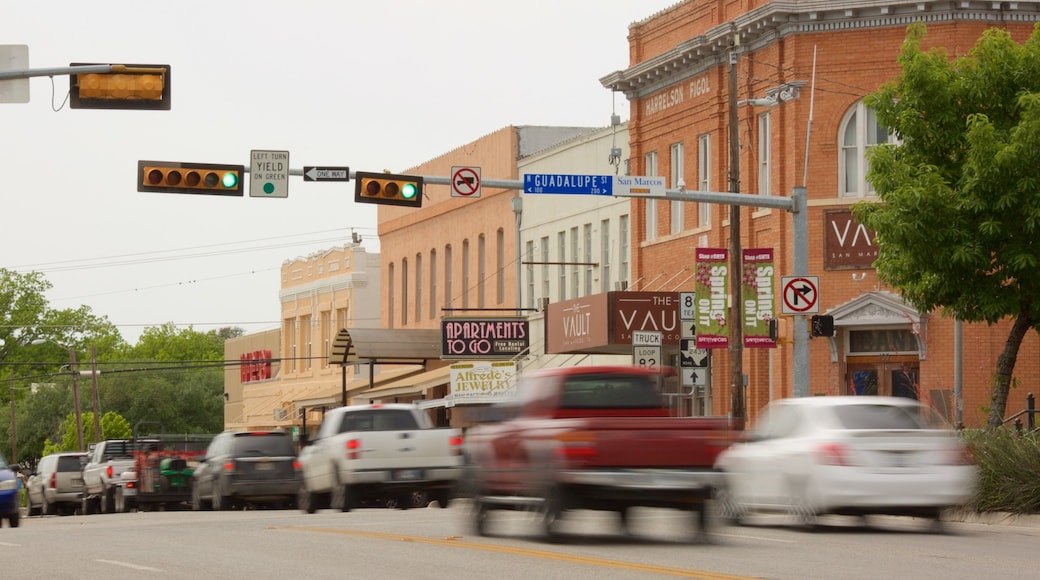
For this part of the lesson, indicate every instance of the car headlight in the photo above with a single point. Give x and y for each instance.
(8, 485)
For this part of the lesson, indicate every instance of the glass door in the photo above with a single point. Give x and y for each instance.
(897, 376)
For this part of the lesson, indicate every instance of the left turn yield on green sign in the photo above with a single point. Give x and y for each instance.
(268, 173)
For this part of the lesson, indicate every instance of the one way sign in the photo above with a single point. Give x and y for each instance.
(326, 174)
(694, 377)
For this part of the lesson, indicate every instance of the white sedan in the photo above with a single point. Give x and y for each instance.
(855, 455)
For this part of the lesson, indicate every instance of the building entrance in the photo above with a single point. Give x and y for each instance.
(890, 375)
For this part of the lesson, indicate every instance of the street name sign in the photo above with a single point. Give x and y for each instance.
(638, 185)
(563, 183)
(268, 173)
(326, 174)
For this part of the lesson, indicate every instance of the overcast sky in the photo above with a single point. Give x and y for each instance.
(369, 85)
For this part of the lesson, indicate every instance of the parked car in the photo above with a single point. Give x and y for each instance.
(853, 455)
(248, 467)
(57, 485)
(10, 486)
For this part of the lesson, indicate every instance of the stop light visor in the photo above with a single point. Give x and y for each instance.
(388, 189)
(198, 178)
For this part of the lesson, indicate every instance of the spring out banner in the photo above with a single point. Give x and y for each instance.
(756, 291)
(712, 283)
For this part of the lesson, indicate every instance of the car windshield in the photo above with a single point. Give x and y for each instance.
(881, 417)
(262, 444)
(610, 391)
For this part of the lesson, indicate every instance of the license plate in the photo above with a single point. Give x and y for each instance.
(408, 474)
(264, 466)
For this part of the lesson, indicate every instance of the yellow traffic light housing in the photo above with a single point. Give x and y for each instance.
(200, 178)
(388, 189)
(127, 86)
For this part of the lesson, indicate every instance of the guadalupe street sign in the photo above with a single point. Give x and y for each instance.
(326, 174)
(568, 184)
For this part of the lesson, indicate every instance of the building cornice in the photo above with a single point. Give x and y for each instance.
(777, 20)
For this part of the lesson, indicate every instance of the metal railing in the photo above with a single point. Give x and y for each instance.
(1030, 415)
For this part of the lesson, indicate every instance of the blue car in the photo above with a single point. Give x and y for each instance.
(10, 485)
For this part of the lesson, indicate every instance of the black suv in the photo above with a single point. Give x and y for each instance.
(247, 468)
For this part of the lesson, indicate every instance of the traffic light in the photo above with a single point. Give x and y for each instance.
(202, 178)
(387, 189)
(821, 326)
(126, 86)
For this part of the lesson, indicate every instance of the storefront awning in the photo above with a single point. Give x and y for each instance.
(409, 385)
(332, 396)
(386, 346)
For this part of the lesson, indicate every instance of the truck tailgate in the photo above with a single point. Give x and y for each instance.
(405, 449)
(637, 442)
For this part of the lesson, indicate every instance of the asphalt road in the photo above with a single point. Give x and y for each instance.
(433, 543)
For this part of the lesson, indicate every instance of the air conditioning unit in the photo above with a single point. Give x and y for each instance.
(281, 414)
(621, 286)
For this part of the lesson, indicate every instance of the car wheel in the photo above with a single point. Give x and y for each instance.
(729, 509)
(120, 501)
(552, 510)
(341, 498)
(219, 501)
(306, 501)
(107, 502)
(13, 518)
(702, 523)
(419, 499)
(34, 510)
(443, 498)
(46, 508)
(480, 517)
(196, 499)
(800, 508)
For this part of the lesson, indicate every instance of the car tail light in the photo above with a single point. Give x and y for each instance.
(229, 466)
(296, 465)
(131, 484)
(54, 481)
(576, 445)
(832, 454)
(353, 448)
(108, 472)
(456, 443)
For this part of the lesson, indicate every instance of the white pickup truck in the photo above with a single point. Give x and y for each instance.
(103, 474)
(365, 454)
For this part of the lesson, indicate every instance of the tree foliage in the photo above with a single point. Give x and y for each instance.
(959, 221)
(171, 377)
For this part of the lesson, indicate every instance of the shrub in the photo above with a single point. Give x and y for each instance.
(1009, 471)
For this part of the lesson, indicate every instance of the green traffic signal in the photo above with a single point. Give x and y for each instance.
(230, 180)
(409, 190)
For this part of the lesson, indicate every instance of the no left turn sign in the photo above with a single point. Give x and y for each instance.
(465, 182)
(801, 294)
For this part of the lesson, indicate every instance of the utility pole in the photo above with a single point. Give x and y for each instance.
(736, 338)
(94, 385)
(75, 398)
(14, 433)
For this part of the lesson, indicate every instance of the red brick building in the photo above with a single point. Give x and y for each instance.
(800, 71)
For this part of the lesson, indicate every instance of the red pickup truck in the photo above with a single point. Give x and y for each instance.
(594, 438)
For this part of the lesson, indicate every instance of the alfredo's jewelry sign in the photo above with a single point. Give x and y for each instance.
(482, 382)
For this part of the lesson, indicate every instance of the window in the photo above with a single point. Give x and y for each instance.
(290, 342)
(390, 296)
(604, 256)
(481, 270)
(575, 268)
(678, 171)
(433, 283)
(342, 320)
(623, 249)
(447, 277)
(704, 178)
(500, 267)
(545, 267)
(587, 253)
(326, 337)
(650, 205)
(859, 132)
(418, 288)
(465, 274)
(561, 255)
(529, 257)
(305, 331)
(764, 154)
(404, 292)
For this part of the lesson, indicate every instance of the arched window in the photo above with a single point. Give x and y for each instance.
(859, 131)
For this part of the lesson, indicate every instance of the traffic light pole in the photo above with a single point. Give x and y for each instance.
(796, 205)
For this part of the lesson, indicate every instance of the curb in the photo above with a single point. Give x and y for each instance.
(996, 518)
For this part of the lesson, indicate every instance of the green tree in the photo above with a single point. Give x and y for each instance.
(959, 218)
(113, 426)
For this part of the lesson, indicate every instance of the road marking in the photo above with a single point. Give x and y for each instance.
(131, 566)
(9, 545)
(763, 538)
(543, 554)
